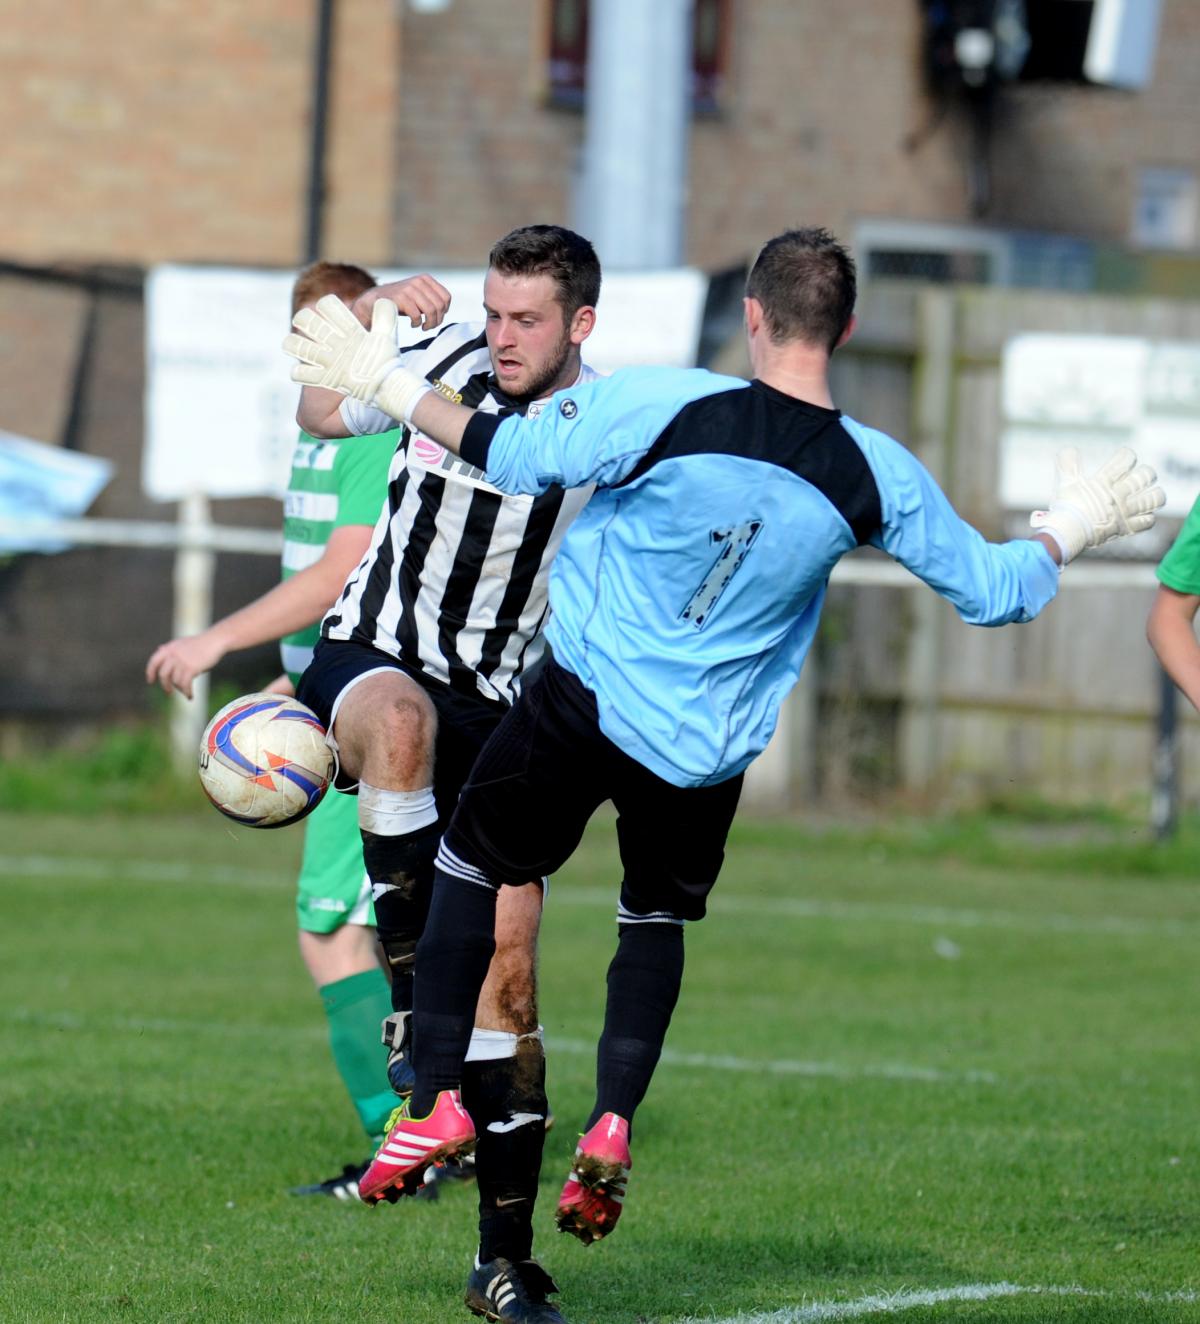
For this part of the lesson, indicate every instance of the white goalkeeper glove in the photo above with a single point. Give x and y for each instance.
(1118, 499)
(338, 353)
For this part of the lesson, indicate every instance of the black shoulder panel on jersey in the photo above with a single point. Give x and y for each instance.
(761, 423)
(477, 439)
(474, 389)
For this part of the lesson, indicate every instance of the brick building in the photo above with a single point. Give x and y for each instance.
(182, 133)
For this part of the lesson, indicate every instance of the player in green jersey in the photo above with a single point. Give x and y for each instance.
(335, 492)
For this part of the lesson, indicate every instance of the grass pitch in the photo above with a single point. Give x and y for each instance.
(936, 1073)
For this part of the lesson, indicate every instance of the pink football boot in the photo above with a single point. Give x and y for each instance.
(412, 1144)
(591, 1201)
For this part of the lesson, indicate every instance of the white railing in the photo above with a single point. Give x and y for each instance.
(195, 540)
(771, 779)
(143, 534)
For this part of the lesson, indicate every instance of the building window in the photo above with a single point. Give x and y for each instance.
(566, 62)
(957, 254)
(1166, 209)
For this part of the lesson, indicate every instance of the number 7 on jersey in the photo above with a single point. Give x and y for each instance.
(734, 544)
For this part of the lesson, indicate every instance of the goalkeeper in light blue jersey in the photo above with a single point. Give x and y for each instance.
(685, 598)
(688, 594)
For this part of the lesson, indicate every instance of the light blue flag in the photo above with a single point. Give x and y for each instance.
(39, 483)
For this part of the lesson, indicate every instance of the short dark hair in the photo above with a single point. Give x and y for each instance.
(340, 278)
(551, 250)
(806, 283)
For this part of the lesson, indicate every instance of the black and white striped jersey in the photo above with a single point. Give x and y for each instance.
(456, 580)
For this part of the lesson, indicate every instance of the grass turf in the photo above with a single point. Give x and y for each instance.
(907, 1058)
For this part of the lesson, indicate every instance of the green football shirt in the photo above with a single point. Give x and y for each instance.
(333, 483)
(1180, 568)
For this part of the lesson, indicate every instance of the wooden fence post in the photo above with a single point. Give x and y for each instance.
(1164, 797)
(195, 565)
(933, 395)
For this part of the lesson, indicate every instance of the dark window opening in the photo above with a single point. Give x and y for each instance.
(1058, 38)
(566, 61)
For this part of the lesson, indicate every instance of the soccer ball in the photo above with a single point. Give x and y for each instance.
(264, 760)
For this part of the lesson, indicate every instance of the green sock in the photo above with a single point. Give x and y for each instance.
(355, 1008)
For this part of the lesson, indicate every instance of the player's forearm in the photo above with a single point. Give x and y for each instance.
(1173, 639)
(442, 420)
(320, 413)
(292, 605)
(463, 431)
(1051, 546)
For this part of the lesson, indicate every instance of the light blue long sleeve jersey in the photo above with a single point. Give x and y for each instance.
(686, 594)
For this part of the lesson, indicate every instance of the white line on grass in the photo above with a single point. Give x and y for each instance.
(139, 1025)
(88, 869)
(152, 871)
(940, 916)
(571, 1047)
(791, 1067)
(889, 1303)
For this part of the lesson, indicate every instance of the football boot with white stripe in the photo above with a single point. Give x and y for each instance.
(412, 1144)
(512, 1293)
(591, 1201)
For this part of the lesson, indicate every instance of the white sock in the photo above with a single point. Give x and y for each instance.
(395, 813)
(495, 1045)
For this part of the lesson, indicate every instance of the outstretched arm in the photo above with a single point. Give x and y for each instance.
(995, 583)
(301, 600)
(1171, 630)
(594, 437)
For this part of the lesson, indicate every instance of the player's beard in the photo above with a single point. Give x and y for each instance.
(546, 379)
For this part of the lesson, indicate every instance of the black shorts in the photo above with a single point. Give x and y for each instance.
(542, 776)
(464, 722)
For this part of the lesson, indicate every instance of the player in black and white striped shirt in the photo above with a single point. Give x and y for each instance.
(419, 660)
(456, 584)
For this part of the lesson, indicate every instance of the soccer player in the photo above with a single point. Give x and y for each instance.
(685, 598)
(1171, 626)
(419, 660)
(335, 492)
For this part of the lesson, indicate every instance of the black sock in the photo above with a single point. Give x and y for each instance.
(508, 1161)
(643, 987)
(452, 961)
(401, 874)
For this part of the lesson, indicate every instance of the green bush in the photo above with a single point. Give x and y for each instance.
(124, 768)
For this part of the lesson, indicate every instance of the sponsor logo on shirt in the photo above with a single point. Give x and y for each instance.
(455, 397)
(425, 453)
